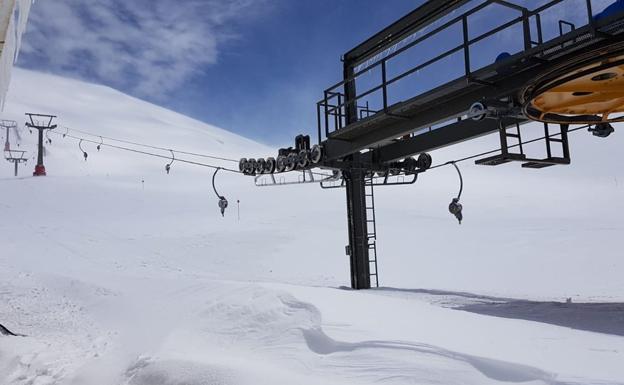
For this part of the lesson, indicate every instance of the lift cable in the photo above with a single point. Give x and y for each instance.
(455, 206)
(172, 157)
(232, 160)
(149, 145)
(148, 153)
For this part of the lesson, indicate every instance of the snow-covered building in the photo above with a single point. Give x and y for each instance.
(13, 18)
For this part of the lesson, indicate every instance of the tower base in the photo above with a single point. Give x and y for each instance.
(39, 170)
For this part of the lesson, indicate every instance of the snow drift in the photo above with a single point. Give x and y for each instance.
(121, 274)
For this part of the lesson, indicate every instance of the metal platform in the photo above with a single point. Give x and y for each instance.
(500, 81)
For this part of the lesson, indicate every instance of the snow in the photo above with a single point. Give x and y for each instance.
(119, 281)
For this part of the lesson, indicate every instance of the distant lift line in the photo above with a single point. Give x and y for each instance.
(168, 157)
(102, 137)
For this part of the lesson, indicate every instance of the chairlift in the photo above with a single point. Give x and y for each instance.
(99, 146)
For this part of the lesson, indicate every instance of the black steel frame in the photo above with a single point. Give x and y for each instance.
(40, 127)
(352, 59)
(10, 155)
(360, 141)
(357, 128)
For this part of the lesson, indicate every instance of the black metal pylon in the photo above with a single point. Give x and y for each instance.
(358, 251)
(40, 126)
(355, 183)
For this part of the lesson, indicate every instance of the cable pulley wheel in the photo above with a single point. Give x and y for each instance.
(588, 91)
(291, 161)
(260, 166)
(251, 166)
(316, 153)
(270, 166)
(303, 159)
(424, 161)
(242, 165)
(280, 164)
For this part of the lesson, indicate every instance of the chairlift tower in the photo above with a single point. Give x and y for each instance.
(371, 135)
(15, 157)
(44, 123)
(8, 125)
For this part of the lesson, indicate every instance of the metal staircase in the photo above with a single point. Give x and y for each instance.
(371, 236)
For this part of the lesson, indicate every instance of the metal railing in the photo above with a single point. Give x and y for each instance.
(332, 109)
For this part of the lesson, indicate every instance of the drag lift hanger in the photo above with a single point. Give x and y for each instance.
(223, 203)
(84, 153)
(168, 165)
(455, 207)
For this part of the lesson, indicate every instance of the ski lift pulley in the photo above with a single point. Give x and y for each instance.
(242, 165)
(316, 153)
(303, 159)
(270, 165)
(280, 164)
(260, 166)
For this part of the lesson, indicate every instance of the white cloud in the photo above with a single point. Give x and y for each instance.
(147, 47)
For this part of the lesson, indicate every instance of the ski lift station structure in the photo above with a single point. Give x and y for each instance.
(574, 77)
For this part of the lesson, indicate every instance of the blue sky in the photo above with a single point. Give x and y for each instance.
(254, 67)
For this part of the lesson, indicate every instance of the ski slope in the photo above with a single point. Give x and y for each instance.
(118, 273)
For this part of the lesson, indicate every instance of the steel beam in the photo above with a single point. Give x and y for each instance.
(418, 18)
(438, 138)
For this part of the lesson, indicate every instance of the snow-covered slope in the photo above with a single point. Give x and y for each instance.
(121, 274)
(104, 111)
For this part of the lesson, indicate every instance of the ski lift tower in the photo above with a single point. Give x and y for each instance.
(560, 72)
(45, 123)
(15, 157)
(8, 125)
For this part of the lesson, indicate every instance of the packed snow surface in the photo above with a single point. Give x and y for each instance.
(119, 273)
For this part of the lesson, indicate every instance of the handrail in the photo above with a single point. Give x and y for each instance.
(338, 110)
(424, 37)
